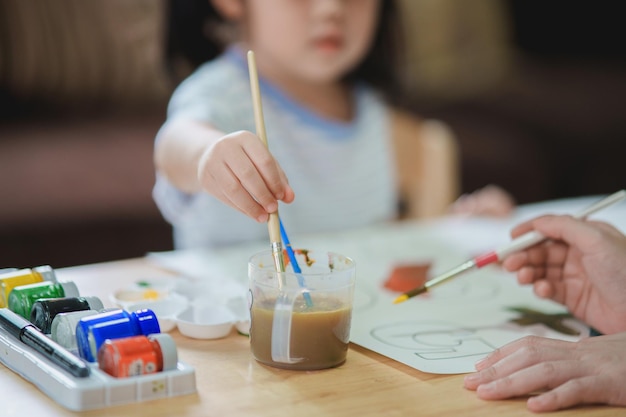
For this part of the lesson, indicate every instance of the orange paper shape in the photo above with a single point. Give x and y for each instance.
(406, 277)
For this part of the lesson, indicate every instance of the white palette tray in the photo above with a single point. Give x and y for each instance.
(98, 390)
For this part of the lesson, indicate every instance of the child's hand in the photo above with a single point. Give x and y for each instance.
(240, 171)
(488, 201)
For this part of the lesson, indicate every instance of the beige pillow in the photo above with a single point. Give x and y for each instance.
(456, 48)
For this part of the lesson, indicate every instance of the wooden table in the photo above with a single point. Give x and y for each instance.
(231, 383)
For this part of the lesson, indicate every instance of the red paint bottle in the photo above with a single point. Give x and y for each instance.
(138, 355)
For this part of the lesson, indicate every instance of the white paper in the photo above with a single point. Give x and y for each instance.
(445, 331)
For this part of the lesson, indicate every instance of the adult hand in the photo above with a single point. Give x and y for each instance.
(582, 266)
(240, 171)
(590, 371)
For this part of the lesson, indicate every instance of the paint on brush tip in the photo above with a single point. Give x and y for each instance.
(410, 294)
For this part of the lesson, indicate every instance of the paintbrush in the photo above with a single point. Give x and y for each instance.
(294, 264)
(522, 242)
(273, 223)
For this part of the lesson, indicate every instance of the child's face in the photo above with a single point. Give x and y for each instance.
(316, 41)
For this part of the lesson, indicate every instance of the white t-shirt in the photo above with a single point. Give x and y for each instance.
(343, 174)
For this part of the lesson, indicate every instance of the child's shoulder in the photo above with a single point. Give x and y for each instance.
(221, 72)
(217, 91)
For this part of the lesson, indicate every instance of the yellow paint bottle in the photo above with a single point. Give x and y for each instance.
(10, 280)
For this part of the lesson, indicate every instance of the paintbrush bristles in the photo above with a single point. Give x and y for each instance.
(410, 294)
(277, 246)
(465, 266)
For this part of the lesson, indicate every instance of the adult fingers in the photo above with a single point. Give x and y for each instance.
(547, 253)
(546, 289)
(542, 263)
(528, 344)
(517, 360)
(585, 390)
(522, 228)
(515, 261)
(536, 224)
(544, 375)
(577, 232)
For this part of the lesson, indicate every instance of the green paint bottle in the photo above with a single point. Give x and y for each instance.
(22, 298)
(10, 279)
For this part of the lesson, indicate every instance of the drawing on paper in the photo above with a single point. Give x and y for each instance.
(554, 321)
(435, 340)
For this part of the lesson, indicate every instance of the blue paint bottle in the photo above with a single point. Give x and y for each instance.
(92, 331)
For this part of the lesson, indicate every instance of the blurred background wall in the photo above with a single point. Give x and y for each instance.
(83, 93)
(533, 89)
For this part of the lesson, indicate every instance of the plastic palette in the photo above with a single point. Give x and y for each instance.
(200, 319)
(98, 390)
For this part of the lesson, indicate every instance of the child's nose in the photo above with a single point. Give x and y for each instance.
(328, 8)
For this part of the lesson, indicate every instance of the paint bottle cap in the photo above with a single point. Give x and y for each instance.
(168, 350)
(147, 320)
(46, 272)
(63, 328)
(69, 289)
(43, 311)
(94, 303)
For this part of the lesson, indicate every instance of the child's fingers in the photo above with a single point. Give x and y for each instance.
(289, 194)
(268, 170)
(232, 193)
(251, 186)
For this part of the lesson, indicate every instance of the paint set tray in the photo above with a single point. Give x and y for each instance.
(99, 389)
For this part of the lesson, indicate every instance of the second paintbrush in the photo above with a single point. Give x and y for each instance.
(522, 242)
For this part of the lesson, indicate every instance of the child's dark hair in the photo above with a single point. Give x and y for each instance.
(191, 39)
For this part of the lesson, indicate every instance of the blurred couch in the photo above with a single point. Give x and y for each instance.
(83, 94)
(536, 102)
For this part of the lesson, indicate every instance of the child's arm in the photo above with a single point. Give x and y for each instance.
(236, 168)
(179, 146)
(428, 166)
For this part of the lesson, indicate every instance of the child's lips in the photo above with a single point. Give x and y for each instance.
(329, 43)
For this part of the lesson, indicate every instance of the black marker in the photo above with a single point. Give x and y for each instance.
(31, 336)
